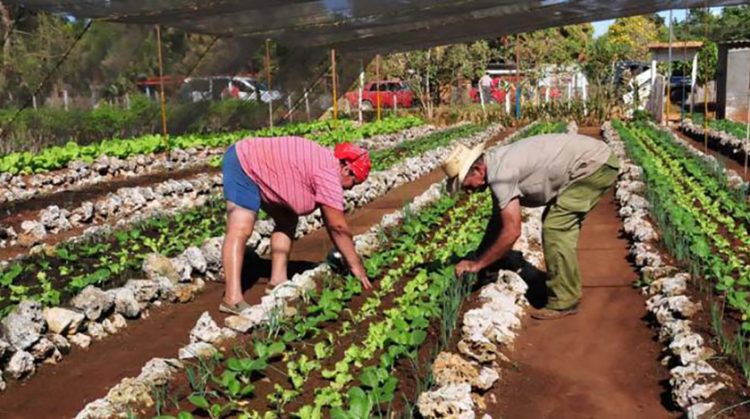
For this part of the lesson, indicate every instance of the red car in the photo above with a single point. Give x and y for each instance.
(388, 90)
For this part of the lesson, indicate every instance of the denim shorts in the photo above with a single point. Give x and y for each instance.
(238, 187)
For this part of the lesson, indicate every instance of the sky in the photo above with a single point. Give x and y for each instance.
(600, 28)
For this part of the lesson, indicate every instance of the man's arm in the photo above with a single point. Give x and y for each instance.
(510, 219)
(342, 237)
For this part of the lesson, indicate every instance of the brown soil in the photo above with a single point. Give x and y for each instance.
(602, 362)
(96, 370)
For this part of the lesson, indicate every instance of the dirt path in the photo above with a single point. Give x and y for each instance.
(602, 362)
(728, 161)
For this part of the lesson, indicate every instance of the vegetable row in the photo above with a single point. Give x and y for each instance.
(345, 354)
(325, 132)
(703, 221)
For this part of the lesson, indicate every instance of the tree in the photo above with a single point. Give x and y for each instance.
(630, 37)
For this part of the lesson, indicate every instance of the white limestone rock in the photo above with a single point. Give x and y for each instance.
(451, 401)
(159, 371)
(25, 325)
(21, 365)
(144, 290)
(81, 340)
(199, 350)
(156, 265)
(114, 324)
(63, 321)
(211, 250)
(96, 330)
(195, 257)
(98, 409)
(93, 302)
(125, 302)
(206, 330)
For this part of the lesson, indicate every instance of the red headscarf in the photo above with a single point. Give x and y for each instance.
(356, 157)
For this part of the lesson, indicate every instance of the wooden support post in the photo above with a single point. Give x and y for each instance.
(361, 87)
(669, 72)
(268, 79)
(333, 83)
(162, 98)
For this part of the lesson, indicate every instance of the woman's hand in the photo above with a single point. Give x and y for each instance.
(360, 273)
(467, 266)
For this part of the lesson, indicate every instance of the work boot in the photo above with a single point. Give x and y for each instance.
(552, 314)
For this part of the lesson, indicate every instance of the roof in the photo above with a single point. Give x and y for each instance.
(680, 44)
(360, 25)
(739, 43)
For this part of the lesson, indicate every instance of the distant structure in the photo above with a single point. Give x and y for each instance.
(733, 81)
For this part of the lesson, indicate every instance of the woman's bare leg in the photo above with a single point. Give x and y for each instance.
(281, 245)
(240, 224)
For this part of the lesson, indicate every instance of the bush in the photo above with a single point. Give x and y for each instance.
(34, 130)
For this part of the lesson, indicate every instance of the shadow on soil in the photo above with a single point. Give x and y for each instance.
(255, 268)
(534, 277)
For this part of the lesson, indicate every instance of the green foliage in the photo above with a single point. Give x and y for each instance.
(630, 36)
(325, 132)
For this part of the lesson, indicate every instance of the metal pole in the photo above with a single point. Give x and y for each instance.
(268, 79)
(669, 71)
(747, 132)
(289, 107)
(333, 82)
(162, 98)
(705, 82)
(307, 106)
(377, 83)
(518, 77)
(481, 99)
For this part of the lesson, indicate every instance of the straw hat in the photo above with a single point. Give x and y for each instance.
(457, 165)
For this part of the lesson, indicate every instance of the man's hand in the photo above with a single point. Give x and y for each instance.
(467, 266)
(360, 273)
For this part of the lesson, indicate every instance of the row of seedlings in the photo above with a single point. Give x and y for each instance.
(652, 187)
(24, 175)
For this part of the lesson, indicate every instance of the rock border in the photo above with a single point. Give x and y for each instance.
(463, 378)
(734, 179)
(78, 174)
(724, 139)
(693, 380)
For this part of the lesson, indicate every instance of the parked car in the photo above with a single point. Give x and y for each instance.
(196, 89)
(390, 91)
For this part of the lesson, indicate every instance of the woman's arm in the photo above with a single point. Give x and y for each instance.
(342, 237)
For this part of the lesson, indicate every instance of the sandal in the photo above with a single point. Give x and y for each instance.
(233, 308)
(270, 287)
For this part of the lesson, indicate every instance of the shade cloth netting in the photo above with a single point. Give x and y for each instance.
(361, 25)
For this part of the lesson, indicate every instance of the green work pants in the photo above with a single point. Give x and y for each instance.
(561, 226)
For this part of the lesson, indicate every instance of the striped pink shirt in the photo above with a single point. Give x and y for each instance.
(293, 172)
